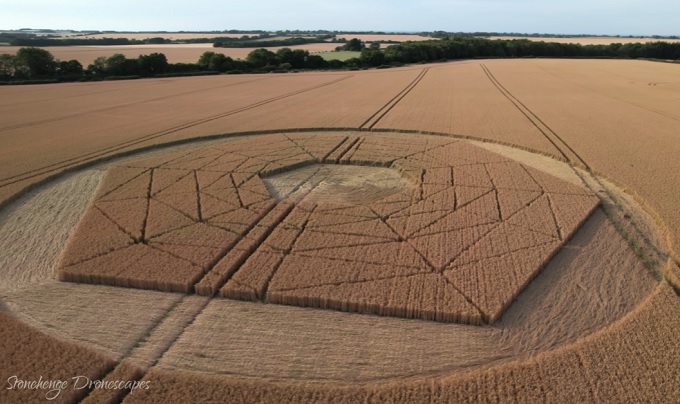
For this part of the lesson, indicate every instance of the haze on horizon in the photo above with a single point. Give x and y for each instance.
(599, 17)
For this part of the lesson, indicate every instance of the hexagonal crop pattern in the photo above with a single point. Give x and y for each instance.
(441, 230)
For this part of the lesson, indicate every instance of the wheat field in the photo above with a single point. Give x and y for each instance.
(442, 232)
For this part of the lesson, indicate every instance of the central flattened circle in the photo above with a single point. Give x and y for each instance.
(345, 184)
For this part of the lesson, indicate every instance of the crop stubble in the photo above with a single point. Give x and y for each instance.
(465, 233)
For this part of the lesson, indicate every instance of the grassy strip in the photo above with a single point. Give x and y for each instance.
(339, 55)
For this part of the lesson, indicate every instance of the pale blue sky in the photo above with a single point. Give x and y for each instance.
(607, 17)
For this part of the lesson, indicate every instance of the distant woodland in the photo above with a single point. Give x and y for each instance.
(34, 65)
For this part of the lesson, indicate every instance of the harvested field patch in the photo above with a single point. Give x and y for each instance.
(339, 55)
(176, 36)
(466, 227)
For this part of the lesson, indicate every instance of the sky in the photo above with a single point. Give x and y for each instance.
(600, 17)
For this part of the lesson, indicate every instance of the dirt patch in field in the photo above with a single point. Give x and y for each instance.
(351, 185)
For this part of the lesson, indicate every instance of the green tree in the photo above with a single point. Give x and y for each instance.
(71, 68)
(296, 58)
(315, 62)
(115, 65)
(262, 57)
(204, 60)
(215, 62)
(40, 62)
(11, 68)
(354, 45)
(150, 65)
(370, 57)
(98, 66)
(156, 40)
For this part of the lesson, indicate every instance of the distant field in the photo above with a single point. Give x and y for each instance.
(190, 53)
(178, 36)
(595, 40)
(176, 53)
(186, 35)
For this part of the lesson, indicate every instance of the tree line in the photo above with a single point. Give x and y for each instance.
(31, 64)
(467, 48)
(244, 41)
(37, 65)
(296, 40)
(444, 34)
